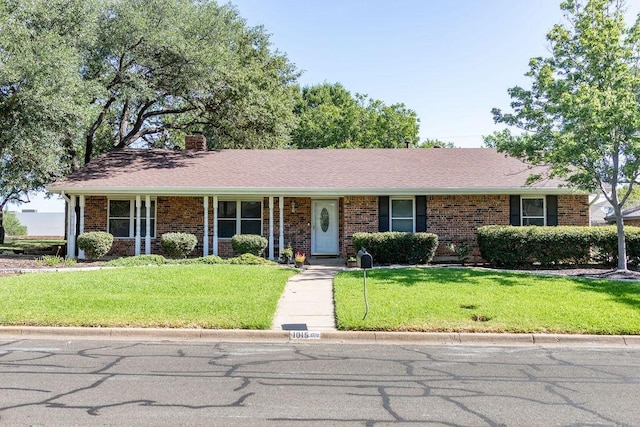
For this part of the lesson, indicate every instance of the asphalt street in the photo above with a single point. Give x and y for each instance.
(104, 382)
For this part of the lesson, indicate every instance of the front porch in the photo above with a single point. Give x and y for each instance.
(315, 226)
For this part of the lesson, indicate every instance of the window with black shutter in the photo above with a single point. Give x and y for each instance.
(383, 213)
(533, 210)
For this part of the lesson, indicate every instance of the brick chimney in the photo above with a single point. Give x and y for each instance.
(195, 142)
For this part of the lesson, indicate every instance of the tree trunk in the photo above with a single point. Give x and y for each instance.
(2, 225)
(622, 248)
(88, 148)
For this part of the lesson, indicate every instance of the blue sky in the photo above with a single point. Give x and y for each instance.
(451, 61)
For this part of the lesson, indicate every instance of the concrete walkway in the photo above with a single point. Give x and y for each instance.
(307, 301)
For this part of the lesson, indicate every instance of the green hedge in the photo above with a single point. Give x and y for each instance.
(397, 248)
(249, 244)
(510, 246)
(178, 245)
(95, 244)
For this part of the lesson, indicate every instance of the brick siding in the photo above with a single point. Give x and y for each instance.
(297, 232)
(455, 219)
(95, 213)
(359, 214)
(573, 209)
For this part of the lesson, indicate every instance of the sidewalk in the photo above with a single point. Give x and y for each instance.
(307, 301)
(307, 304)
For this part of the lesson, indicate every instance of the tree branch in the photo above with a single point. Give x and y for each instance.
(90, 135)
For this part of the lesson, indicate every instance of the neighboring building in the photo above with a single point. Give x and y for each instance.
(42, 224)
(630, 216)
(600, 210)
(313, 200)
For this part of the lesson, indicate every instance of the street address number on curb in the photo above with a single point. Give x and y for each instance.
(304, 335)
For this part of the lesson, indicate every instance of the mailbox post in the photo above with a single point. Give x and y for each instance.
(364, 260)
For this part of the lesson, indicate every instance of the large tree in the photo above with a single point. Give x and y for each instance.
(151, 70)
(41, 94)
(165, 67)
(581, 115)
(330, 117)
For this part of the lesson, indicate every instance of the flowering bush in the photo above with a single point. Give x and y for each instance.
(300, 258)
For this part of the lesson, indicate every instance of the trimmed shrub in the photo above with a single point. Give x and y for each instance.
(95, 244)
(136, 261)
(250, 259)
(605, 244)
(208, 260)
(397, 248)
(508, 246)
(249, 244)
(146, 260)
(178, 245)
(212, 259)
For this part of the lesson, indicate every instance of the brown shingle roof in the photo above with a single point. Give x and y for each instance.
(288, 172)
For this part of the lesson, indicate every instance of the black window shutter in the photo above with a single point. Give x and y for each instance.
(421, 213)
(514, 210)
(383, 213)
(552, 210)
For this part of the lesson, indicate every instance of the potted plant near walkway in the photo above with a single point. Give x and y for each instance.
(299, 259)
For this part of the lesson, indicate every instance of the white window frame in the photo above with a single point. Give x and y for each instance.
(413, 212)
(238, 219)
(544, 210)
(132, 217)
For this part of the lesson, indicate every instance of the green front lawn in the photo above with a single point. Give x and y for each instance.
(191, 296)
(31, 245)
(456, 299)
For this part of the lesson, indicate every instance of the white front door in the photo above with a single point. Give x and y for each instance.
(324, 230)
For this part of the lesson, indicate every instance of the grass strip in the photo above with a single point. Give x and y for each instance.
(189, 296)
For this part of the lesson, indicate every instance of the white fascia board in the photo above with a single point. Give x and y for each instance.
(310, 192)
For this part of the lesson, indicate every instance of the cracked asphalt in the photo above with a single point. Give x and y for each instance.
(107, 382)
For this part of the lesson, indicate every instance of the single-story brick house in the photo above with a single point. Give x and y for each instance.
(630, 216)
(313, 200)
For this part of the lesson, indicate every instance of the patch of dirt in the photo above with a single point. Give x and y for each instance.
(593, 272)
(11, 264)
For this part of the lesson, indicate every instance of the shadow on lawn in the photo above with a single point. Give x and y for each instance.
(620, 291)
(417, 276)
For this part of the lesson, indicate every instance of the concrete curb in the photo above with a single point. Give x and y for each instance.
(315, 337)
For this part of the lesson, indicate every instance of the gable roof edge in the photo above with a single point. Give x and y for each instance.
(309, 192)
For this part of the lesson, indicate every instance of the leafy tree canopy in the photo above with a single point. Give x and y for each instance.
(330, 117)
(120, 73)
(166, 67)
(13, 226)
(431, 143)
(581, 115)
(42, 98)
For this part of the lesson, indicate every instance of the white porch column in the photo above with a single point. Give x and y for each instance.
(215, 225)
(80, 251)
(147, 235)
(281, 228)
(205, 240)
(271, 252)
(138, 203)
(71, 228)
